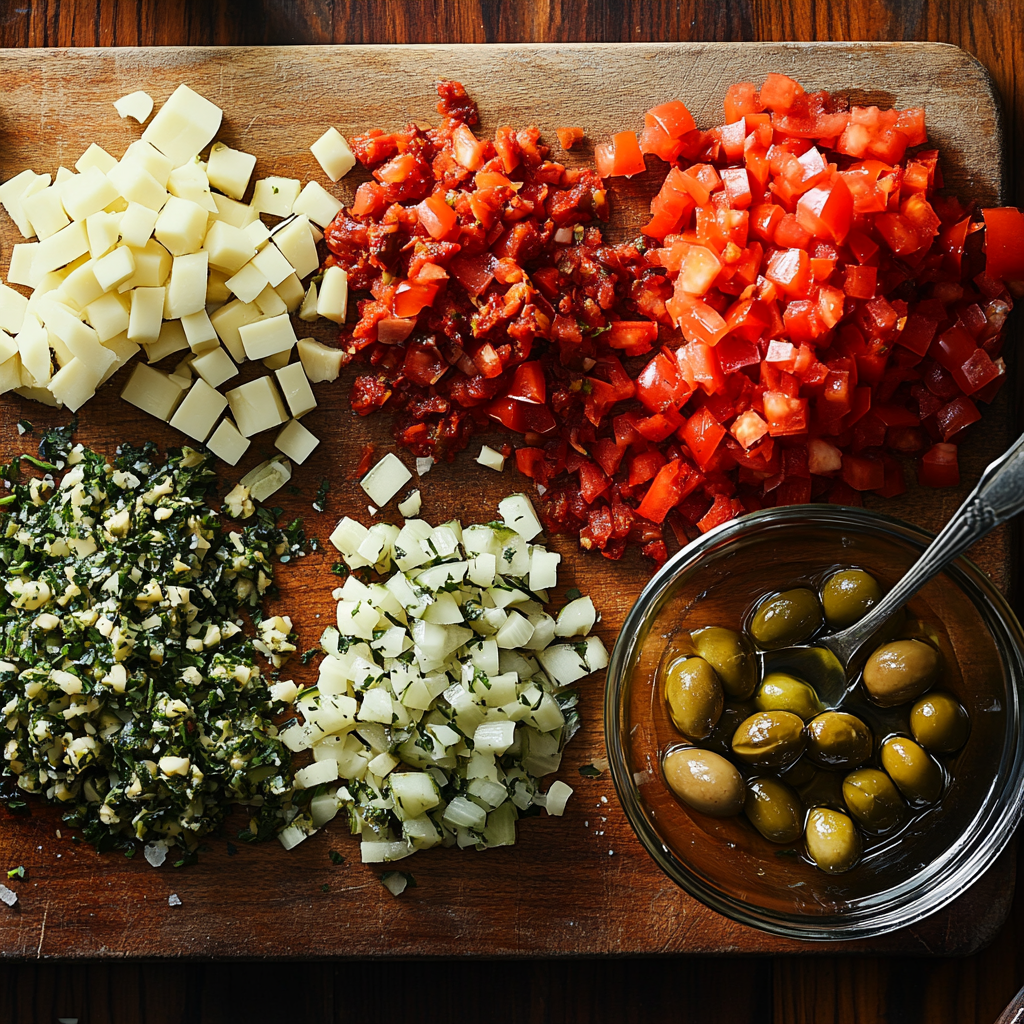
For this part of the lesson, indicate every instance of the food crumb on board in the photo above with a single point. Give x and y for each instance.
(8, 896)
(174, 900)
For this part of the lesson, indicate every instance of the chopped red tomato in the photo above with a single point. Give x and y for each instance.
(807, 309)
(568, 137)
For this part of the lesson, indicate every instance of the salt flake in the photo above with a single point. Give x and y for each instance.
(174, 900)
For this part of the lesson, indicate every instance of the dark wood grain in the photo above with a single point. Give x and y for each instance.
(841, 989)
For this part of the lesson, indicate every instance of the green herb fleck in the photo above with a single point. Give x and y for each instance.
(18, 872)
(336, 858)
(320, 501)
(572, 594)
(589, 771)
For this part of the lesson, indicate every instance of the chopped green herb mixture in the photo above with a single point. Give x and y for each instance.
(130, 690)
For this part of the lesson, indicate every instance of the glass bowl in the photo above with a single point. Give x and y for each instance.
(724, 862)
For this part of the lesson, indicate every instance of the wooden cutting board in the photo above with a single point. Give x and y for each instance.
(577, 885)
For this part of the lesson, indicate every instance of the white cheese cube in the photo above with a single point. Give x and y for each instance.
(181, 226)
(115, 268)
(291, 293)
(153, 391)
(137, 185)
(190, 182)
(60, 249)
(258, 232)
(295, 387)
(136, 104)
(228, 320)
(227, 443)
(123, 350)
(149, 158)
(276, 195)
(8, 350)
(11, 193)
(46, 212)
(411, 506)
(199, 411)
(238, 215)
(229, 247)
(332, 302)
(170, 340)
(333, 154)
(74, 384)
(199, 332)
(11, 375)
(81, 340)
(257, 406)
(295, 240)
(217, 291)
(88, 193)
(267, 337)
(229, 169)
(269, 303)
(146, 316)
(80, 287)
(103, 230)
(267, 478)
(23, 258)
(385, 479)
(109, 316)
(184, 125)
(95, 156)
(186, 288)
(491, 459)
(152, 267)
(137, 223)
(13, 306)
(317, 204)
(215, 367)
(272, 264)
(296, 442)
(307, 311)
(34, 350)
(248, 282)
(276, 362)
(320, 362)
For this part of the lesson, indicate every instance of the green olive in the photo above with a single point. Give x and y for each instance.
(873, 799)
(837, 739)
(694, 697)
(705, 781)
(770, 739)
(939, 723)
(731, 656)
(832, 840)
(783, 692)
(787, 618)
(917, 775)
(823, 789)
(720, 739)
(900, 671)
(848, 596)
(774, 810)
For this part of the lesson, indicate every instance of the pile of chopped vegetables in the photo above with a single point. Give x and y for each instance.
(131, 693)
(805, 308)
(445, 694)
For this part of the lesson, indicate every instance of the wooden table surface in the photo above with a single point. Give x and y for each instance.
(820, 990)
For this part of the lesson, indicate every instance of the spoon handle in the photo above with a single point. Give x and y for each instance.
(998, 496)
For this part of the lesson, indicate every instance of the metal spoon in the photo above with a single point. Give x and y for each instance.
(998, 496)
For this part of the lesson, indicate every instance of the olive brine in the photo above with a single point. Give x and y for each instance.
(774, 752)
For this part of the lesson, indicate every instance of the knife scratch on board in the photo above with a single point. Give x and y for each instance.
(42, 932)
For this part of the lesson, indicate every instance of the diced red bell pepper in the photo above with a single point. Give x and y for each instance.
(1004, 243)
(939, 467)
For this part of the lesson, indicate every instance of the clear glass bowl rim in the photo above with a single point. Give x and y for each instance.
(967, 863)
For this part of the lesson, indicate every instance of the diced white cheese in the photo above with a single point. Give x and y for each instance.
(147, 315)
(152, 267)
(153, 391)
(181, 226)
(290, 290)
(136, 104)
(307, 311)
(103, 230)
(170, 341)
(149, 158)
(95, 156)
(273, 264)
(295, 240)
(75, 383)
(137, 185)
(332, 302)
(199, 332)
(60, 249)
(88, 193)
(190, 182)
(491, 459)
(267, 337)
(248, 282)
(227, 443)
(11, 193)
(13, 306)
(108, 315)
(229, 169)
(333, 154)
(228, 320)
(317, 204)
(23, 258)
(269, 303)
(321, 362)
(296, 441)
(257, 406)
(199, 411)
(267, 478)
(184, 125)
(229, 247)
(46, 212)
(296, 390)
(411, 506)
(186, 287)
(385, 479)
(215, 367)
(518, 514)
(258, 232)
(238, 215)
(115, 268)
(276, 196)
